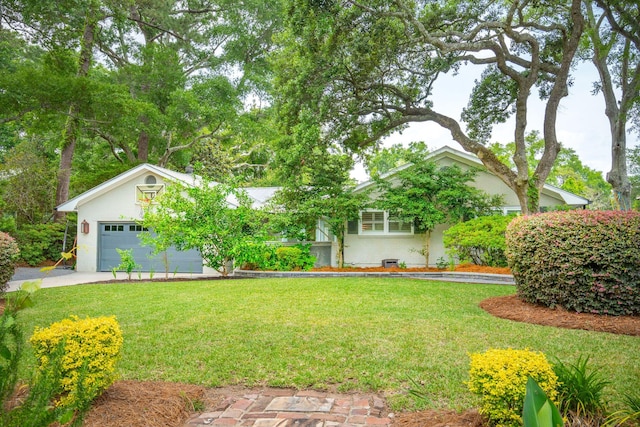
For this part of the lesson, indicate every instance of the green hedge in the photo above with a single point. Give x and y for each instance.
(584, 261)
(41, 242)
(480, 240)
(263, 256)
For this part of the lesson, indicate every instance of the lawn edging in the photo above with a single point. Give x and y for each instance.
(449, 276)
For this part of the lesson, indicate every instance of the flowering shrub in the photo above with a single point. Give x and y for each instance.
(91, 348)
(9, 253)
(500, 377)
(585, 261)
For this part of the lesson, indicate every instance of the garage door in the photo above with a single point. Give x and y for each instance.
(125, 236)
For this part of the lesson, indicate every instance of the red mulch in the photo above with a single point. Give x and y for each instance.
(465, 268)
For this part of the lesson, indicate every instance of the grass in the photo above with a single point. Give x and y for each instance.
(365, 334)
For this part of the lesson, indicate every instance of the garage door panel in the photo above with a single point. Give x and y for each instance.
(125, 236)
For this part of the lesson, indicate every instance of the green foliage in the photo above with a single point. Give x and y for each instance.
(432, 195)
(539, 410)
(427, 195)
(316, 185)
(9, 254)
(127, 262)
(40, 242)
(263, 256)
(91, 347)
(291, 258)
(217, 219)
(585, 261)
(568, 171)
(580, 389)
(481, 240)
(630, 413)
(31, 177)
(38, 408)
(500, 378)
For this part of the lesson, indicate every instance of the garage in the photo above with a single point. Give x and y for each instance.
(124, 235)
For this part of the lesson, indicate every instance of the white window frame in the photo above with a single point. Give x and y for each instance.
(385, 222)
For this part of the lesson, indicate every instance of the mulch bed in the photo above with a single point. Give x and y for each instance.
(513, 308)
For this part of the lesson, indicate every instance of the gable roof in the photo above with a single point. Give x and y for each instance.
(259, 196)
(471, 160)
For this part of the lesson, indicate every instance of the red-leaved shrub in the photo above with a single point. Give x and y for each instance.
(8, 256)
(584, 261)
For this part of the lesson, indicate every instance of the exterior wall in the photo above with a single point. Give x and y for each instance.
(369, 251)
(118, 204)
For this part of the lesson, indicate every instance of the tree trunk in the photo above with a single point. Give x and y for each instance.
(427, 247)
(143, 143)
(72, 125)
(341, 252)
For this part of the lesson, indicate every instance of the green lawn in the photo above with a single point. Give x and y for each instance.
(367, 334)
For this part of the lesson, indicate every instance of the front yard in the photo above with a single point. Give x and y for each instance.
(366, 334)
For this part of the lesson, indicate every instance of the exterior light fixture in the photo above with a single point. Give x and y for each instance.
(84, 227)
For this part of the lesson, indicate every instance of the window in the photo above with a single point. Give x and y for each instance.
(113, 227)
(399, 226)
(372, 221)
(379, 222)
(146, 193)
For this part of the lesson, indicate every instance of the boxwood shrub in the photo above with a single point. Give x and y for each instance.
(584, 261)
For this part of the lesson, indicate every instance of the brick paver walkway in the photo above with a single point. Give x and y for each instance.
(289, 408)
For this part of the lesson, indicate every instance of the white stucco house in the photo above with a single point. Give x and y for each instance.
(107, 217)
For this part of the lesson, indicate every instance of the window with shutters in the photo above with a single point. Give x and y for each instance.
(379, 222)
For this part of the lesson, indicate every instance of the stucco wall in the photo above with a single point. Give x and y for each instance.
(370, 250)
(118, 205)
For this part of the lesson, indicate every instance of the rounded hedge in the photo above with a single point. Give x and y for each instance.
(9, 253)
(584, 261)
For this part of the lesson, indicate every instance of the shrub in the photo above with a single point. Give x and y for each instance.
(40, 242)
(480, 240)
(585, 261)
(91, 348)
(257, 256)
(294, 258)
(500, 377)
(9, 254)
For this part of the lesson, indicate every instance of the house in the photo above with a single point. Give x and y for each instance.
(107, 216)
(376, 237)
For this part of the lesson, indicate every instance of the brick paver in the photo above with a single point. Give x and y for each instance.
(290, 408)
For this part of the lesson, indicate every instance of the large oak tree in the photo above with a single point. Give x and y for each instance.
(368, 69)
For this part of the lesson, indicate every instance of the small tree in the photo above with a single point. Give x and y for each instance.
(217, 219)
(430, 195)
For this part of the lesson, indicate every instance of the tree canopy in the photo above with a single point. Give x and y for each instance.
(368, 69)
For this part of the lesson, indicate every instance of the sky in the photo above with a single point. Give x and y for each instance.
(581, 125)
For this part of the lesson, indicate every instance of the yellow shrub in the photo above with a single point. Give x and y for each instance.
(91, 348)
(499, 377)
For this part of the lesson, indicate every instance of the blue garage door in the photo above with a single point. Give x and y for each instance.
(125, 236)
